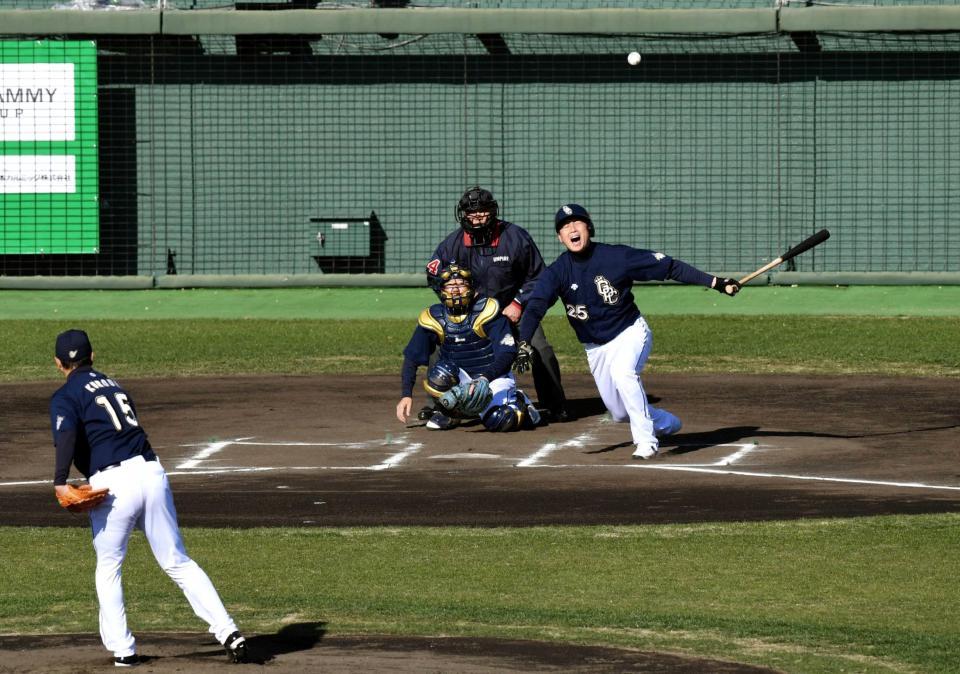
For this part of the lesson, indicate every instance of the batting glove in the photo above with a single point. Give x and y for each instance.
(524, 356)
(727, 286)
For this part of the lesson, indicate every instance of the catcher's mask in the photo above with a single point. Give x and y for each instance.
(456, 301)
(475, 200)
(572, 212)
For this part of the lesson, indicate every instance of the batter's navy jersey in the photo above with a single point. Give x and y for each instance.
(505, 270)
(595, 288)
(99, 415)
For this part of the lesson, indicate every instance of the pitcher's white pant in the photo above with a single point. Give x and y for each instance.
(616, 367)
(140, 497)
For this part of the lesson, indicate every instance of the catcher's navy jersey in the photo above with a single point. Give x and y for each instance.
(505, 270)
(101, 415)
(595, 288)
(482, 343)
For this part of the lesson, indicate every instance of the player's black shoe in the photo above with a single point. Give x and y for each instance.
(441, 422)
(236, 647)
(127, 661)
(558, 415)
(425, 413)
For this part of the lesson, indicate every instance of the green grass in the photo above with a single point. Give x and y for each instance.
(406, 303)
(815, 596)
(924, 346)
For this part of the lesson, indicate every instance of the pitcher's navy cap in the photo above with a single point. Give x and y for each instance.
(73, 346)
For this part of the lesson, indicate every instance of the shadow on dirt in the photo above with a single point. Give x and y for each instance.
(585, 407)
(289, 639)
(684, 443)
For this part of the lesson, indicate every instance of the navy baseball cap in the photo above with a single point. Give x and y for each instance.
(73, 346)
(571, 212)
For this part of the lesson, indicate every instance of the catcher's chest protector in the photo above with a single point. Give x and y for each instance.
(461, 342)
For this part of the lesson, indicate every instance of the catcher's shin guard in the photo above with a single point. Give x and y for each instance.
(502, 418)
(532, 417)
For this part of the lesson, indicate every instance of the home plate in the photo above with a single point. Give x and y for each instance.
(466, 455)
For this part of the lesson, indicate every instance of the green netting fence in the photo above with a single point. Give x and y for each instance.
(270, 153)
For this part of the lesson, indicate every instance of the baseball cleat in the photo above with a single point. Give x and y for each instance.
(645, 450)
(425, 413)
(441, 422)
(127, 661)
(236, 647)
(558, 415)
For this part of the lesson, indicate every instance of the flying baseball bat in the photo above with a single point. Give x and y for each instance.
(801, 247)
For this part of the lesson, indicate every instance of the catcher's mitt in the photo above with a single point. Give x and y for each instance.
(82, 498)
(469, 398)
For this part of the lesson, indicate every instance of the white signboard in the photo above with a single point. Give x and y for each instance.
(36, 101)
(27, 174)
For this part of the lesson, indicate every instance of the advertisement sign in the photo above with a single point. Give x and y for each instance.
(49, 199)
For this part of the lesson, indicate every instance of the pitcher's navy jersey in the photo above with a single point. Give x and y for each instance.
(505, 270)
(102, 420)
(595, 288)
(481, 344)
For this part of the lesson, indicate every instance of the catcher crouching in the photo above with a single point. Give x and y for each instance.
(472, 377)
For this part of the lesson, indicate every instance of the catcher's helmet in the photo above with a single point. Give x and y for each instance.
(572, 212)
(474, 200)
(455, 303)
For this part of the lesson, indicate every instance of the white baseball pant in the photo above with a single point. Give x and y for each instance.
(616, 367)
(140, 497)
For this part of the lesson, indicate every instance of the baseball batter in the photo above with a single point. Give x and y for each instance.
(471, 377)
(595, 280)
(96, 428)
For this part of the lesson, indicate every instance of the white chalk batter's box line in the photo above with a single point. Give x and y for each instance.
(719, 467)
(192, 465)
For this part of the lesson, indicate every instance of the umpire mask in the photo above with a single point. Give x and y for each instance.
(477, 200)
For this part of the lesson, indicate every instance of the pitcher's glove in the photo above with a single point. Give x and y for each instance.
(524, 355)
(469, 398)
(727, 286)
(81, 499)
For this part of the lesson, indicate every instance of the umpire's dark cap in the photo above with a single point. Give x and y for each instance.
(73, 346)
(571, 212)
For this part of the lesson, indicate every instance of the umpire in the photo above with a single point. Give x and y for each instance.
(505, 262)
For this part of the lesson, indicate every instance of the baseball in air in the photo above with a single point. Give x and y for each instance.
(633, 58)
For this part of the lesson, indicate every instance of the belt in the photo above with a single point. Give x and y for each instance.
(118, 463)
